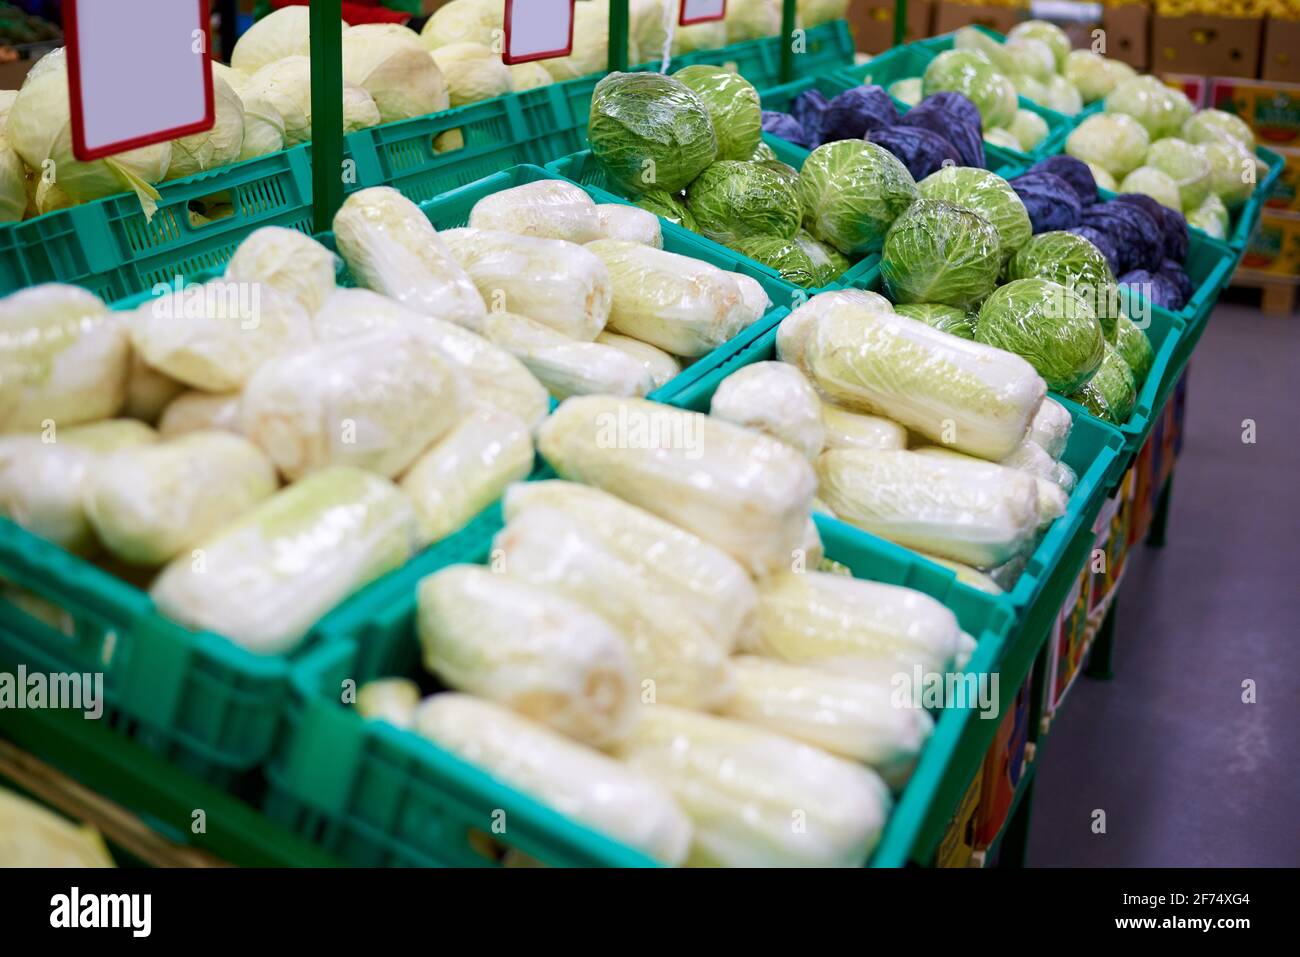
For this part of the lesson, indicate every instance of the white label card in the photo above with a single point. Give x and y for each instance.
(538, 29)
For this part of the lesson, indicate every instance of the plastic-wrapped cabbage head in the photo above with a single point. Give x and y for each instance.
(1004, 138)
(1185, 165)
(668, 206)
(403, 80)
(1111, 393)
(472, 72)
(1029, 57)
(1134, 348)
(547, 209)
(1155, 183)
(1103, 178)
(39, 129)
(1160, 109)
(786, 256)
(1211, 217)
(1218, 126)
(63, 358)
(973, 38)
(774, 398)
(219, 146)
(215, 336)
(938, 252)
(1048, 325)
(1232, 171)
(1094, 76)
(733, 107)
(950, 319)
(289, 262)
(391, 248)
(32, 836)
(650, 131)
(1063, 97)
(270, 575)
(1048, 33)
(851, 193)
(987, 194)
(731, 200)
(907, 90)
(1114, 141)
(1029, 129)
(972, 74)
(463, 21)
(1075, 263)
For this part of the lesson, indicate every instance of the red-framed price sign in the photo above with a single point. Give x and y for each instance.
(701, 11)
(538, 30)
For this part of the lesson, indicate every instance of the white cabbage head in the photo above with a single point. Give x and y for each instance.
(403, 80)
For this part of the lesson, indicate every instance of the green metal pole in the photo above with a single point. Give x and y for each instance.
(900, 22)
(788, 9)
(617, 36)
(326, 110)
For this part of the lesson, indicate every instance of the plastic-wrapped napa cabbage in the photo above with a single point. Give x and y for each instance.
(31, 836)
(472, 72)
(1161, 109)
(64, 358)
(148, 391)
(733, 107)
(575, 780)
(13, 182)
(1047, 324)
(374, 401)
(150, 504)
(528, 648)
(774, 398)
(630, 224)
(1050, 428)
(744, 492)
(567, 366)
(545, 209)
(851, 192)
(938, 252)
(682, 305)
(974, 397)
(1032, 458)
(1111, 393)
(288, 261)
(389, 699)
(219, 146)
(215, 336)
(693, 573)
(841, 714)
(742, 786)
(663, 368)
(1113, 141)
(961, 508)
(391, 247)
(675, 658)
(853, 430)
(265, 579)
(403, 80)
(559, 284)
(497, 378)
(200, 411)
(467, 470)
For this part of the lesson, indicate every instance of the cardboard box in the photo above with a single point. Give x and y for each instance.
(1270, 108)
(1195, 88)
(872, 23)
(1281, 57)
(1285, 194)
(1128, 31)
(1211, 46)
(958, 843)
(953, 16)
(1003, 766)
(1275, 245)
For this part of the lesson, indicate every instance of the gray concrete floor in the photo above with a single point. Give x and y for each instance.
(1188, 775)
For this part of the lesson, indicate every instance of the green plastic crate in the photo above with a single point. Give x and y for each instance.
(1094, 452)
(1248, 217)
(375, 795)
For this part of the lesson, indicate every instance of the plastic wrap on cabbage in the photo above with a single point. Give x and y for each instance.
(974, 38)
(976, 398)
(786, 256)
(529, 648)
(620, 221)
(195, 411)
(1051, 498)
(1052, 204)
(950, 319)
(650, 131)
(391, 247)
(852, 192)
(467, 470)
(1161, 109)
(1135, 349)
(375, 401)
(1047, 324)
(774, 398)
(1218, 126)
(854, 430)
(1094, 76)
(64, 358)
(1029, 128)
(557, 283)
(496, 377)
(740, 786)
(1111, 393)
(264, 580)
(828, 262)
(744, 492)
(546, 209)
(389, 699)
(920, 150)
(952, 125)
(1185, 165)
(972, 74)
(684, 306)
(1115, 142)
(567, 366)
(580, 782)
(987, 194)
(149, 504)
(1074, 171)
(794, 333)
(1050, 427)
(668, 206)
(731, 200)
(732, 104)
(856, 112)
(1232, 172)
(1075, 263)
(1152, 182)
(1211, 217)
(955, 506)
(938, 252)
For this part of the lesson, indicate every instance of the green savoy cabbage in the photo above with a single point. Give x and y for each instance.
(1075, 263)
(851, 192)
(786, 256)
(669, 206)
(941, 253)
(1046, 324)
(1111, 393)
(733, 107)
(649, 131)
(987, 194)
(732, 200)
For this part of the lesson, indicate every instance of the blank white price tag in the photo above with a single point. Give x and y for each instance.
(137, 72)
(538, 29)
(701, 11)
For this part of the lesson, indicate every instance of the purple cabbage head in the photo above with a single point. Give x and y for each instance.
(856, 112)
(921, 151)
(1073, 171)
(1050, 201)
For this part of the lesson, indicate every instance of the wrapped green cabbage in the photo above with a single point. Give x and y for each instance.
(1232, 172)
(1113, 141)
(774, 398)
(1029, 129)
(828, 263)
(1161, 109)
(1185, 165)
(987, 194)
(733, 107)
(1047, 324)
(1211, 217)
(908, 90)
(1135, 348)
(732, 200)
(546, 209)
(938, 252)
(949, 319)
(972, 74)
(1111, 393)
(529, 648)
(1093, 75)
(851, 192)
(669, 206)
(1075, 263)
(788, 257)
(1155, 183)
(1218, 126)
(1048, 33)
(565, 366)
